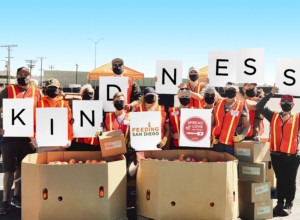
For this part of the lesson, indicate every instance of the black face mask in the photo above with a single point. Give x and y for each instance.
(209, 99)
(286, 107)
(119, 105)
(117, 69)
(87, 96)
(51, 92)
(193, 77)
(230, 94)
(251, 93)
(23, 81)
(149, 99)
(184, 101)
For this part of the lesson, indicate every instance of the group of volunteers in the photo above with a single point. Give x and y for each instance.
(235, 117)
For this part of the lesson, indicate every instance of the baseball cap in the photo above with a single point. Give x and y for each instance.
(247, 84)
(149, 90)
(119, 60)
(287, 98)
(52, 82)
(193, 69)
(23, 70)
(231, 85)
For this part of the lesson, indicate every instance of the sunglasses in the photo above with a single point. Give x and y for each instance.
(287, 102)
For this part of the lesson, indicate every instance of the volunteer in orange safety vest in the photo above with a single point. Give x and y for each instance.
(120, 118)
(284, 147)
(86, 143)
(14, 149)
(184, 96)
(134, 91)
(53, 100)
(196, 87)
(149, 102)
(230, 121)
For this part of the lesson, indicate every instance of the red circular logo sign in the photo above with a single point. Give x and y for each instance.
(194, 129)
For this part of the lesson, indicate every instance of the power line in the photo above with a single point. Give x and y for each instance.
(8, 60)
(41, 77)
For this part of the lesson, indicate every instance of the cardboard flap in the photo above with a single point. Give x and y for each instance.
(112, 143)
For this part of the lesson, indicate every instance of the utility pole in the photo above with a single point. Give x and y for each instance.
(51, 67)
(30, 64)
(96, 42)
(76, 71)
(41, 77)
(8, 60)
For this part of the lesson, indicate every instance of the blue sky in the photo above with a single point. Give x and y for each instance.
(142, 32)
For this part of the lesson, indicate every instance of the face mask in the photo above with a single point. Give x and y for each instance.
(209, 99)
(251, 93)
(117, 69)
(51, 92)
(286, 107)
(119, 105)
(88, 96)
(149, 99)
(194, 77)
(184, 101)
(23, 81)
(230, 94)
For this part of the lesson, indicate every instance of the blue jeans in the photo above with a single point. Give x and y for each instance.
(219, 147)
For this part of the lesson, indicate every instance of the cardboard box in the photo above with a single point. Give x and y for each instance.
(254, 192)
(73, 191)
(257, 210)
(187, 190)
(253, 172)
(252, 151)
(112, 143)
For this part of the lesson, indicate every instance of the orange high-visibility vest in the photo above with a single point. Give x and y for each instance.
(112, 123)
(226, 124)
(194, 102)
(174, 117)
(284, 135)
(161, 109)
(58, 103)
(13, 92)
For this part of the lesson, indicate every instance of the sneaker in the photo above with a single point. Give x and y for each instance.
(4, 207)
(278, 211)
(15, 201)
(288, 206)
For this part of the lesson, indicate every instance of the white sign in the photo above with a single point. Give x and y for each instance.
(87, 116)
(18, 117)
(108, 86)
(195, 128)
(51, 126)
(250, 65)
(169, 76)
(145, 130)
(288, 76)
(221, 67)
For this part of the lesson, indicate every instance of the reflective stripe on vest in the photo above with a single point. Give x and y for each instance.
(217, 120)
(231, 123)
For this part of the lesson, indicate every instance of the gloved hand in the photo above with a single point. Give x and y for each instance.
(98, 133)
(68, 144)
(2, 131)
(162, 143)
(34, 143)
(214, 140)
(238, 138)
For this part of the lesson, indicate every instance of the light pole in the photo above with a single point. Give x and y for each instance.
(8, 60)
(76, 71)
(30, 64)
(96, 42)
